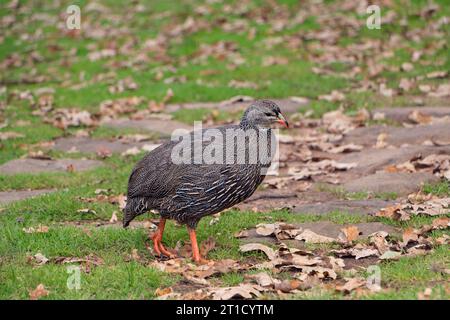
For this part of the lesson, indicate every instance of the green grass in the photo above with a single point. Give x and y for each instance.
(440, 189)
(207, 81)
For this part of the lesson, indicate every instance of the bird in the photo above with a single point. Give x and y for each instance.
(189, 191)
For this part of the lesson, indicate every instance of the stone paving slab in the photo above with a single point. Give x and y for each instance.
(402, 183)
(16, 195)
(356, 207)
(89, 145)
(286, 105)
(372, 159)
(401, 114)
(36, 166)
(163, 127)
(310, 202)
(398, 136)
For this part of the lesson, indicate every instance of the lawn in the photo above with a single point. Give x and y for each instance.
(254, 48)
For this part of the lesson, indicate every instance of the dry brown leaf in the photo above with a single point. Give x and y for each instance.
(38, 229)
(38, 293)
(287, 286)
(165, 291)
(135, 255)
(349, 234)
(207, 246)
(425, 295)
(351, 285)
(346, 148)
(441, 223)
(40, 259)
(378, 239)
(420, 118)
(263, 279)
(270, 253)
(311, 237)
(10, 135)
(359, 251)
(113, 217)
(409, 235)
(394, 212)
(241, 234)
(266, 229)
(381, 141)
(244, 290)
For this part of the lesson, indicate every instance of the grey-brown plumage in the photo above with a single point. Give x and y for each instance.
(187, 192)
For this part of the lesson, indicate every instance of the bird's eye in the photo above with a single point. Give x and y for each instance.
(268, 114)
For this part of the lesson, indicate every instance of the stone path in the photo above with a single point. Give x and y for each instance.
(402, 114)
(36, 166)
(89, 145)
(398, 136)
(16, 195)
(358, 207)
(400, 183)
(164, 127)
(403, 144)
(310, 202)
(371, 160)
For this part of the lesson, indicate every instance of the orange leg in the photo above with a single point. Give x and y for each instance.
(195, 251)
(157, 238)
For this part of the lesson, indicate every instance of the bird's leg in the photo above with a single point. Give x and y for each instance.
(195, 251)
(157, 238)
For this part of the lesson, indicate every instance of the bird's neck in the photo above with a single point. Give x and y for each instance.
(247, 125)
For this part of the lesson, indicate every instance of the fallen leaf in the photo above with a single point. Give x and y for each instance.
(394, 212)
(351, 285)
(441, 223)
(38, 229)
(287, 286)
(420, 118)
(38, 293)
(425, 295)
(10, 135)
(241, 234)
(113, 217)
(311, 237)
(161, 292)
(40, 259)
(263, 279)
(409, 235)
(244, 290)
(265, 229)
(346, 148)
(270, 253)
(349, 234)
(207, 246)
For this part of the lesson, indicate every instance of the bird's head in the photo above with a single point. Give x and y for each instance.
(263, 114)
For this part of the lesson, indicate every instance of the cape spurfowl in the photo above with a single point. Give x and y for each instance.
(186, 191)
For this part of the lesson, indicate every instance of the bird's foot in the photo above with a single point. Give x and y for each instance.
(198, 259)
(202, 261)
(159, 248)
(166, 252)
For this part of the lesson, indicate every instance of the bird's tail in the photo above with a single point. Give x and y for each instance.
(133, 208)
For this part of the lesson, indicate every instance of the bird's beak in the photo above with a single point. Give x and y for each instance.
(281, 119)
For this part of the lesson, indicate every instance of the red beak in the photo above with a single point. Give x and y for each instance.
(282, 120)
